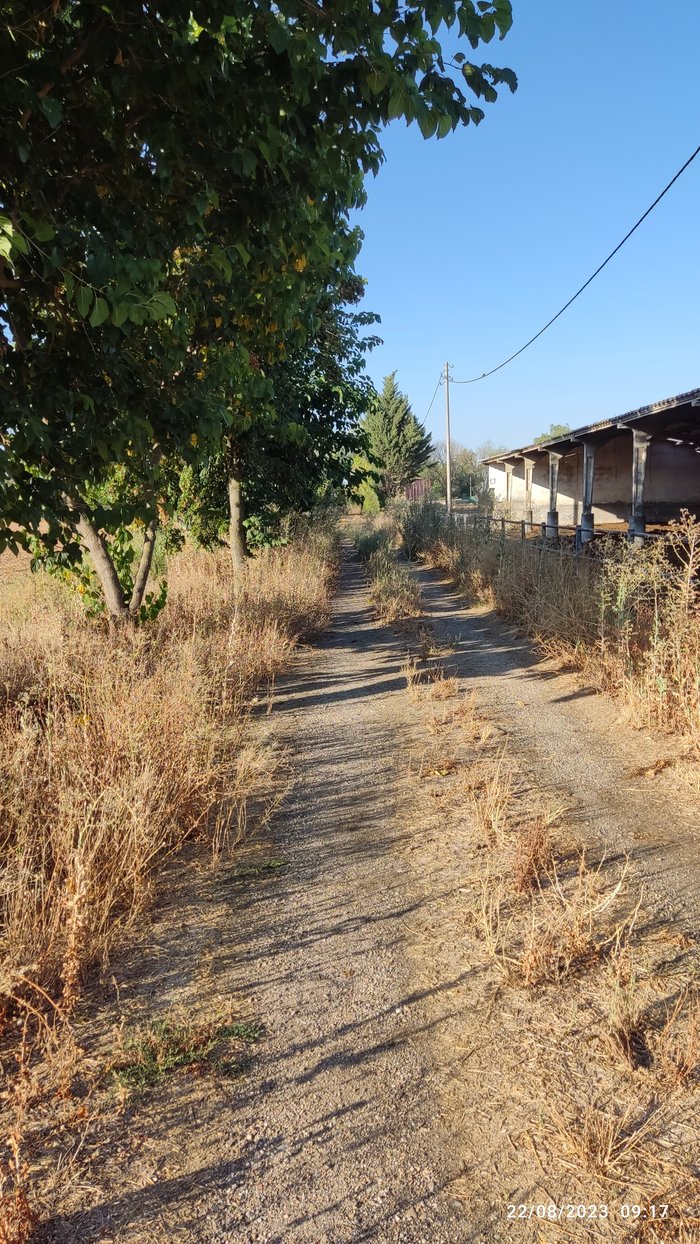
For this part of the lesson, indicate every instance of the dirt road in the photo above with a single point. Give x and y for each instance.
(342, 1118)
(572, 742)
(387, 1101)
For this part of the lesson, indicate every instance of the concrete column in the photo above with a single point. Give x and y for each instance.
(640, 451)
(529, 467)
(553, 514)
(587, 525)
(509, 487)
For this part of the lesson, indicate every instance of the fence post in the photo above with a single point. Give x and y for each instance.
(522, 529)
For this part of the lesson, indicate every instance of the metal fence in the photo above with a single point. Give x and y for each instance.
(568, 537)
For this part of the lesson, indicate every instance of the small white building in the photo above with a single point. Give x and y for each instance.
(639, 468)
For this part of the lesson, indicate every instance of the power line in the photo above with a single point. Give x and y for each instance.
(437, 386)
(604, 264)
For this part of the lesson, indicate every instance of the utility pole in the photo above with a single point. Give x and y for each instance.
(448, 451)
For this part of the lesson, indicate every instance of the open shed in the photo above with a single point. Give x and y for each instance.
(639, 468)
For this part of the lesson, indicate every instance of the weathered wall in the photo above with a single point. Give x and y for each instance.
(672, 482)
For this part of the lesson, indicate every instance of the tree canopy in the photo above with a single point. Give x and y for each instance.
(555, 429)
(175, 190)
(398, 443)
(470, 478)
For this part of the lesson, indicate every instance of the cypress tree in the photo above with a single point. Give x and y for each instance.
(397, 441)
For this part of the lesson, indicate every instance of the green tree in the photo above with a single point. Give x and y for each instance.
(319, 394)
(175, 188)
(555, 429)
(469, 475)
(398, 443)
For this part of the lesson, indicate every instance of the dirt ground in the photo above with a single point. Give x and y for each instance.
(402, 1090)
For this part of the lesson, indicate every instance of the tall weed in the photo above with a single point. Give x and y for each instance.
(115, 748)
(628, 617)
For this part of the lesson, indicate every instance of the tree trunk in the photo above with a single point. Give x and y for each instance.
(236, 530)
(149, 541)
(106, 573)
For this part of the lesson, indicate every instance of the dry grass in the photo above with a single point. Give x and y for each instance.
(575, 923)
(115, 748)
(629, 618)
(533, 853)
(490, 791)
(394, 591)
(625, 1006)
(677, 1045)
(604, 1143)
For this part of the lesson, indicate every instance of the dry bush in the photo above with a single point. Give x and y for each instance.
(628, 617)
(573, 924)
(533, 853)
(677, 1045)
(604, 1144)
(114, 748)
(491, 792)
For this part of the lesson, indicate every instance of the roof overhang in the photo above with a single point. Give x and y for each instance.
(675, 419)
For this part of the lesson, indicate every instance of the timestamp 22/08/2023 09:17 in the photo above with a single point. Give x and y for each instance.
(570, 1211)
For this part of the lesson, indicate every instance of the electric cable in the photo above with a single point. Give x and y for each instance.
(598, 270)
(437, 386)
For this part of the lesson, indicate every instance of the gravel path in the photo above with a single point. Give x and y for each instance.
(572, 742)
(341, 1119)
(386, 1100)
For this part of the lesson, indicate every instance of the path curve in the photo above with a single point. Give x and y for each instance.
(572, 741)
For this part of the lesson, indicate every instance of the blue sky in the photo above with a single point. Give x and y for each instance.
(473, 242)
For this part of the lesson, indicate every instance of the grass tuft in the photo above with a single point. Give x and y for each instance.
(154, 1051)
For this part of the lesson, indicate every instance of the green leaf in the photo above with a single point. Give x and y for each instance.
(278, 37)
(43, 231)
(161, 305)
(427, 122)
(397, 101)
(84, 299)
(444, 126)
(100, 313)
(243, 252)
(504, 16)
(120, 314)
(52, 109)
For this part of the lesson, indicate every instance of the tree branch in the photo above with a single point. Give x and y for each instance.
(97, 548)
(144, 569)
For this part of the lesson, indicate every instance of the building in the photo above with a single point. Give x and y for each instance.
(640, 468)
(417, 489)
